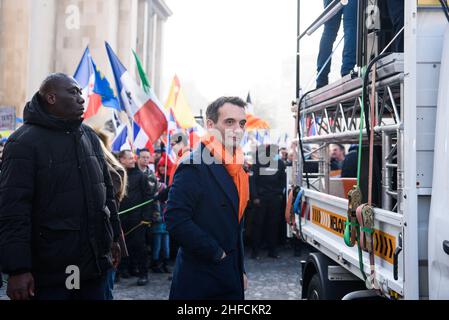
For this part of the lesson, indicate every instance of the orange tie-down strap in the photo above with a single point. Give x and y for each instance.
(288, 209)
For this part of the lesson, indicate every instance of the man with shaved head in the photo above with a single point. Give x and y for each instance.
(59, 226)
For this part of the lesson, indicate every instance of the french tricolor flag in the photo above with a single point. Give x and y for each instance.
(141, 140)
(121, 141)
(85, 76)
(145, 109)
(95, 87)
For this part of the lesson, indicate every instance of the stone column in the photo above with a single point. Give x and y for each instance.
(127, 33)
(159, 15)
(159, 56)
(41, 55)
(14, 51)
(85, 22)
(153, 47)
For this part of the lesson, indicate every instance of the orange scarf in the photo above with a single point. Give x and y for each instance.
(234, 166)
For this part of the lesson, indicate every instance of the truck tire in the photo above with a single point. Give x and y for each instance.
(314, 291)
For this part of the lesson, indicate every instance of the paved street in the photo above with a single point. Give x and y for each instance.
(269, 279)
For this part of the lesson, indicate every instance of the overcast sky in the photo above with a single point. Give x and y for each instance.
(230, 47)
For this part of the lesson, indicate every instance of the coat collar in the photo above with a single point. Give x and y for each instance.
(225, 182)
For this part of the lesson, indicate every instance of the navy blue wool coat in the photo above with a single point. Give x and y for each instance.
(202, 216)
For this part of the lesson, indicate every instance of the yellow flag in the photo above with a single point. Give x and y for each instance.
(178, 103)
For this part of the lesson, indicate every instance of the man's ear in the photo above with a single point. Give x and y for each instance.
(210, 124)
(51, 98)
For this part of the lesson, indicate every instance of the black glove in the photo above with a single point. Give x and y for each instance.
(163, 195)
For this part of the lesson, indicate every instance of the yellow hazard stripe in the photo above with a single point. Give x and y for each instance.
(384, 243)
(429, 3)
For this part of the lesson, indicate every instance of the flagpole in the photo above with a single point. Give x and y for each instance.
(166, 151)
(298, 54)
(166, 166)
(132, 133)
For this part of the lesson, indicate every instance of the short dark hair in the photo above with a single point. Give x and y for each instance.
(213, 109)
(122, 153)
(339, 146)
(139, 151)
(50, 83)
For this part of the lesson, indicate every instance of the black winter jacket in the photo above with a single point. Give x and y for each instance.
(57, 205)
(268, 180)
(138, 191)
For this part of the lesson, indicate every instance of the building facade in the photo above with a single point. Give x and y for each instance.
(38, 37)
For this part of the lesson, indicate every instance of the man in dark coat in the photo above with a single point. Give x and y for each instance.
(268, 185)
(135, 223)
(57, 210)
(204, 213)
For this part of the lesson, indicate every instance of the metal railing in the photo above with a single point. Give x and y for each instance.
(337, 120)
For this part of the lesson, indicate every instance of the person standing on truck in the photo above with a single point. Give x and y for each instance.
(331, 28)
(396, 13)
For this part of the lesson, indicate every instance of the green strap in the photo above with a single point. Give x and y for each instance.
(347, 235)
(351, 224)
(136, 207)
(359, 161)
(368, 230)
(361, 265)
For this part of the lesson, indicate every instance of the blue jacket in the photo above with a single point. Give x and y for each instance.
(202, 216)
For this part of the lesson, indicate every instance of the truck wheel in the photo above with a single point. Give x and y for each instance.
(314, 291)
